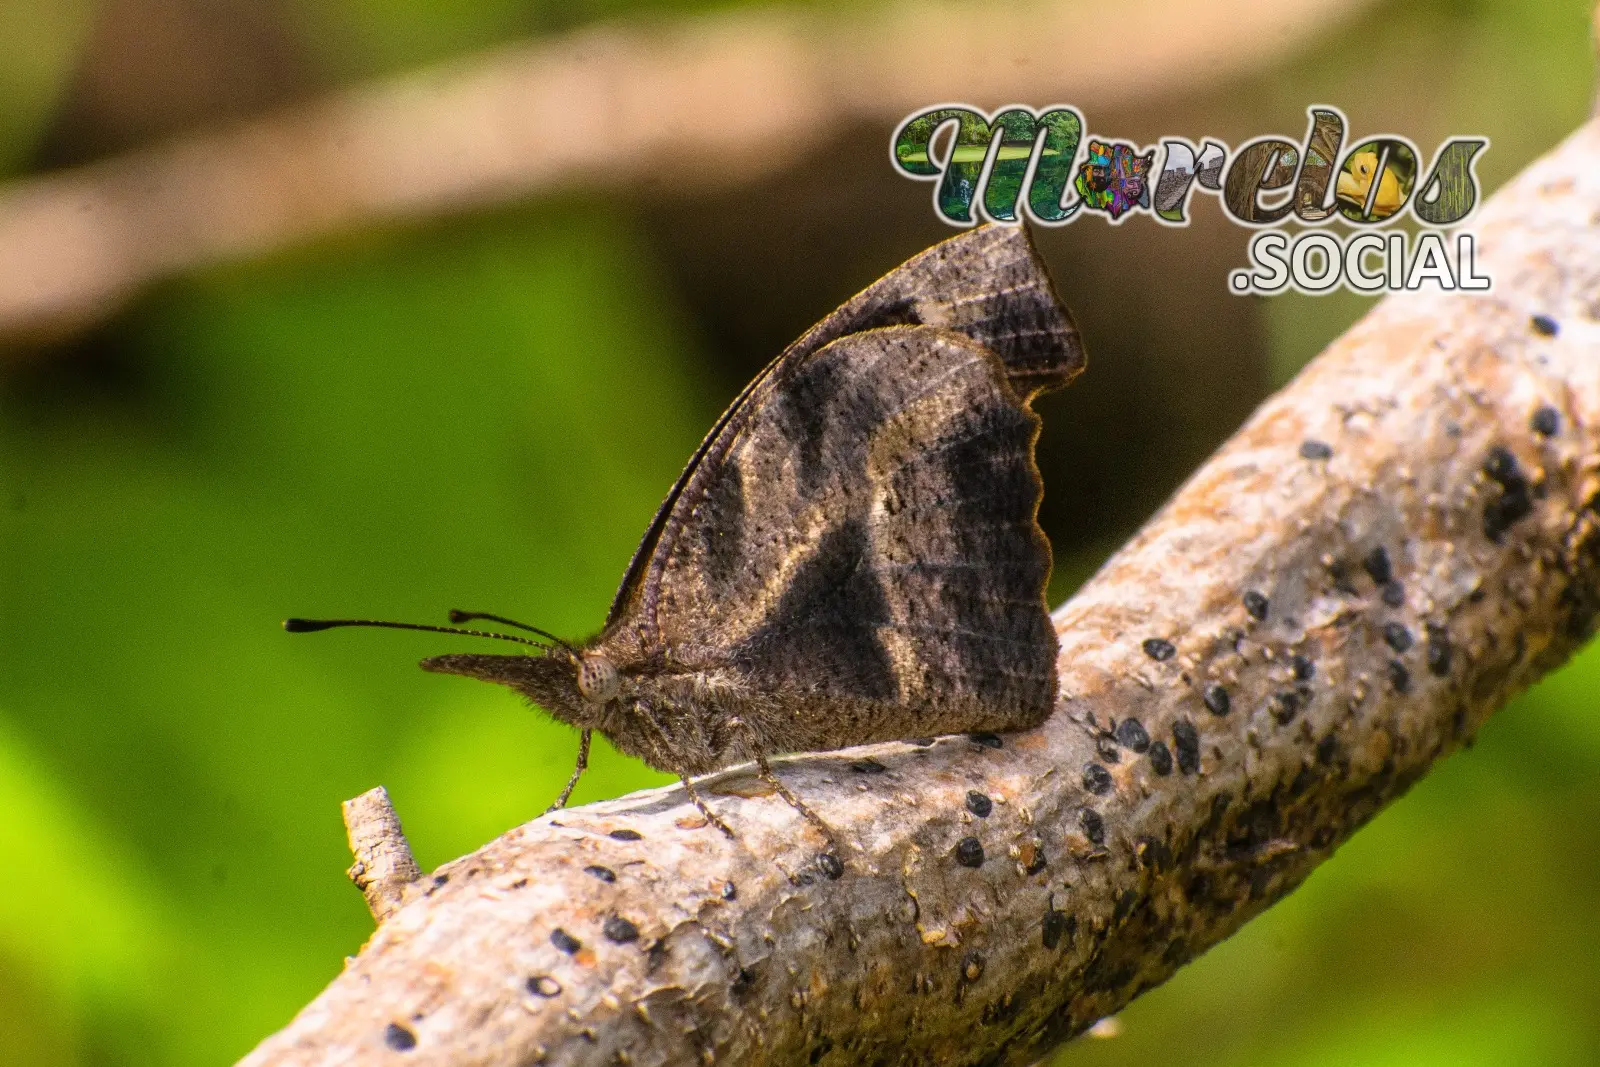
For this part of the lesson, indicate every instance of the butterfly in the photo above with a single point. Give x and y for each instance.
(851, 555)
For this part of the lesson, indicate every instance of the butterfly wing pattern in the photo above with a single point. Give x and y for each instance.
(987, 283)
(856, 541)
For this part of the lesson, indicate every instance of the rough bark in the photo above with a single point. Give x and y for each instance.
(1387, 551)
(384, 866)
(713, 98)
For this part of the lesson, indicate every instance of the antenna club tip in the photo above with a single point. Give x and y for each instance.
(302, 626)
(459, 616)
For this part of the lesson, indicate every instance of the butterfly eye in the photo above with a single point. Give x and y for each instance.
(598, 680)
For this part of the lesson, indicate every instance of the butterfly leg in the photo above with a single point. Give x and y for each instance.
(705, 809)
(577, 772)
(669, 759)
(770, 776)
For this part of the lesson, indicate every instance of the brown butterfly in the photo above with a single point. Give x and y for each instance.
(852, 554)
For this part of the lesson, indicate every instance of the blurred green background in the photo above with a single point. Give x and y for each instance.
(483, 411)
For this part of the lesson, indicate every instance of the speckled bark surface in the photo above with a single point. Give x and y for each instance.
(1384, 554)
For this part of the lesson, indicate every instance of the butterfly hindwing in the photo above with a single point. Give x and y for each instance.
(865, 544)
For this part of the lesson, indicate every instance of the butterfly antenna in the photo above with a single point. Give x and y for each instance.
(459, 616)
(311, 626)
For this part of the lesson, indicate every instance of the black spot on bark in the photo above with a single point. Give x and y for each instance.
(1096, 779)
(1397, 637)
(1313, 449)
(1399, 677)
(1159, 649)
(1056, 926)
(1439, 652)
(1160, 758)
(565, 941)
(1546, 422)
(542, 985)
(987, 740)
(979, 804)
(399, 1038)
(1339, 574)
(1094, 827)
(1394, 594)
(1504, 512)
(1186, 742)
(969, 852)
(867, 766)
(605, 874)
(620, 930)
(831, 866)
(1285, 706)
(1303, 668)
(626, 835)
(1216, 700)
(1544, 325)
(1327, 748)
(1132, 734)
(1377, 565)
(1514, 503)
(1256, 605)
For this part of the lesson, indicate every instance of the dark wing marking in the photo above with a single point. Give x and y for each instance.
(866, 544)
(988, 283)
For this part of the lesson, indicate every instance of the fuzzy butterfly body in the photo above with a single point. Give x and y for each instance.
(853, 553)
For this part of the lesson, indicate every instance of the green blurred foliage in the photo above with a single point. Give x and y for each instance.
(42, 38)
(480, 416)
(484, 414)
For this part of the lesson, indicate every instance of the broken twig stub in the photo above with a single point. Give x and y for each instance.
(384, 866)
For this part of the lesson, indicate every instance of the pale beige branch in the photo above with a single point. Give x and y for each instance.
(384, 866)
(629, 106)
(1387, 551)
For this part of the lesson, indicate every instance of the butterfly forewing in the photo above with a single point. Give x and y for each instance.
(987, 283)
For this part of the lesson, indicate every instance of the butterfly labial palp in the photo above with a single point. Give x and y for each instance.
(852, 555)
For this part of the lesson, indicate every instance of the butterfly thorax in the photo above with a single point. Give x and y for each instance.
(680, 717)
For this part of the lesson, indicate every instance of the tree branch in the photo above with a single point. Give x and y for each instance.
(715, 98)
(1385, 553)
(384, 866)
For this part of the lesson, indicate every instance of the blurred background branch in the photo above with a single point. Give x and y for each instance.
(659, 108)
